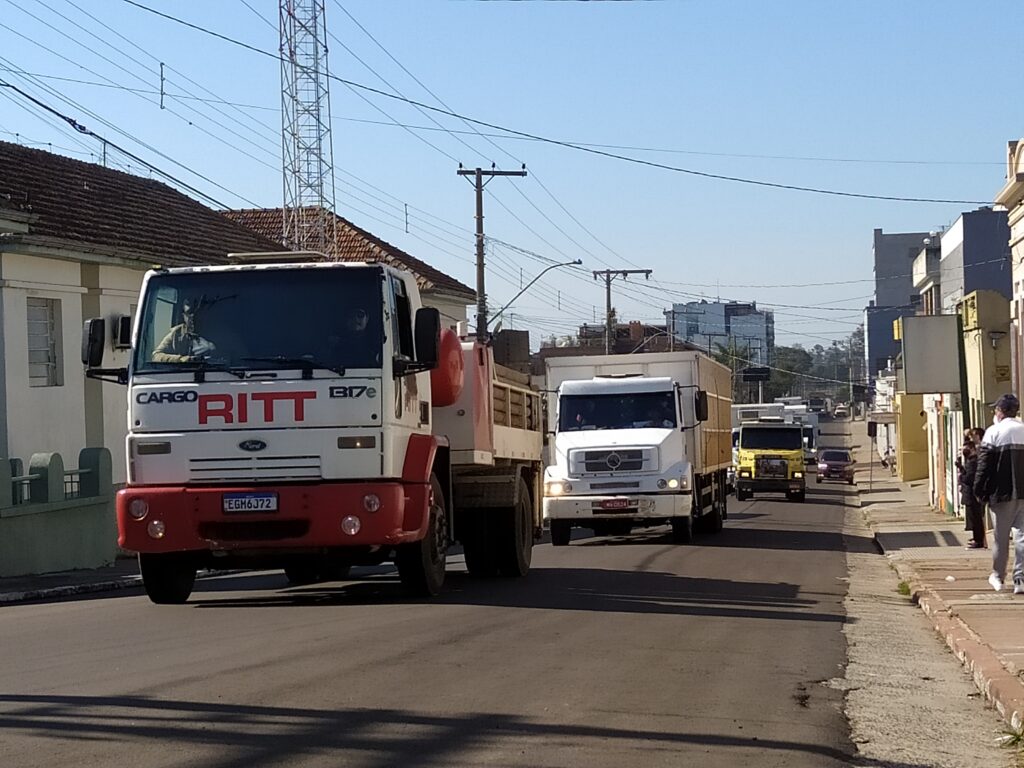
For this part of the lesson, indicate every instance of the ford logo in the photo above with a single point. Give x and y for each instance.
(252, 445)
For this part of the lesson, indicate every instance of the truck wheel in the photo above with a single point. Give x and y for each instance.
(561, 532)
(514, 542)
(477, 544)
(302, 570)
(421, 564)
(168, 579)
(682, 529)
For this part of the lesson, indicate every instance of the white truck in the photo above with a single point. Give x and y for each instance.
(801, 414)
(638, 440)
(315, 416)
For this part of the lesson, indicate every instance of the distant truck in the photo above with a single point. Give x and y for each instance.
(639, 440)
(771, 458)
(311, 417)
(819, 404)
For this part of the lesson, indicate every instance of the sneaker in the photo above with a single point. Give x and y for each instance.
(974, 545)
(1018, 586)
(996, 582)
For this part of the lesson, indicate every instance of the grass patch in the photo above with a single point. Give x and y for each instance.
(903, 589)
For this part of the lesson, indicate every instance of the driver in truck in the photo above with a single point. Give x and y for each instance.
(184, 343)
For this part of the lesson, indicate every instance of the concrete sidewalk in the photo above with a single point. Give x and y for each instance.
(984, 629)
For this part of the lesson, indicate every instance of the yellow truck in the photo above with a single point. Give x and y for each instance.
(770, 458)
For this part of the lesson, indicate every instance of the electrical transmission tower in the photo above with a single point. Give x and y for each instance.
(306, 144)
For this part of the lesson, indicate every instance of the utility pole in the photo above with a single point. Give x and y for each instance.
(609, 275)
(479, 184)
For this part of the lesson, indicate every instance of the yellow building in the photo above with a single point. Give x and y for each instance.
(986, 325)
(911, 438)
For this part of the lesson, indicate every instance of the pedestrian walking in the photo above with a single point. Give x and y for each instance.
(999, 480)
(974, 508)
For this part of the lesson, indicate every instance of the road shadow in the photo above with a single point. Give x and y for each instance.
(566, 589)
(230, 735)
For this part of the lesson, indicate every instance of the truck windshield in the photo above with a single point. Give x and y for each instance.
(626, 411)
(262, 319)
(771, 438)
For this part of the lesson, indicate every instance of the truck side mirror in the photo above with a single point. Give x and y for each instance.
(700, 405)
(94, 335)
(428, 338)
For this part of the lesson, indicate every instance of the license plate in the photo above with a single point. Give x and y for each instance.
(615, 504)
(250, 502)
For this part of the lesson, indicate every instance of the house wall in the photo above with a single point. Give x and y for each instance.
(453, 310)
(41, 419)
(112, 292)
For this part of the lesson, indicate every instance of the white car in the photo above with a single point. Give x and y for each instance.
(842, 412)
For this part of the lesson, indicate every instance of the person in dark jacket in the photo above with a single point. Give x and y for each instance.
(974, 509)
(999, 480)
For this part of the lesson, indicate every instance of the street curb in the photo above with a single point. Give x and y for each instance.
(9, 598)
(50, 593)
(1001, 688)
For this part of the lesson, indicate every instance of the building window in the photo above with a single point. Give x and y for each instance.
(44, 347)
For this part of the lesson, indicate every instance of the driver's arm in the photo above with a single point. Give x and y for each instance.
(173, 347)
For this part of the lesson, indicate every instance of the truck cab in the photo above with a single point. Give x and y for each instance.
(286, 415)
(771, 458)
(643, 441)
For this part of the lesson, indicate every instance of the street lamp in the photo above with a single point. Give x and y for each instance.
(575, 263)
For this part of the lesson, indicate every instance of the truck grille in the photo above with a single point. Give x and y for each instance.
(613, 460)
(254, 469)
(772, 468)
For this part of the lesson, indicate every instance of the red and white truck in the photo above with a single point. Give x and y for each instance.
(313, 416)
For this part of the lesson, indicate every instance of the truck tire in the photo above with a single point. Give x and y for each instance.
(682, 529)
(514, 542)
(421, 564)
(741, 494)
(168, 578)
(561, 532)
(477, 542)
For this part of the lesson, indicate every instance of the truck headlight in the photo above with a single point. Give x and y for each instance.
(673, 483)
(797, 475)
(557, 488)
(744, 473)
(662, 484)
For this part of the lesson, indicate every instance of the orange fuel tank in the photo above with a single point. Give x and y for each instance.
(446, 380)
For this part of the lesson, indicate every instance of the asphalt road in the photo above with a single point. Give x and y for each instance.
(613, 652)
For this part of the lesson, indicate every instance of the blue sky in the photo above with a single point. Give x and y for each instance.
(750, 89)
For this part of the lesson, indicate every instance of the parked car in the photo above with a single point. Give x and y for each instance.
(835, 465)
(842, 412)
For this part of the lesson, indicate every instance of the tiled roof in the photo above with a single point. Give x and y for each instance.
(101, 208)
(356, 244)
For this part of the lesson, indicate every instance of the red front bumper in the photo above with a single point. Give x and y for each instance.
(308, 515)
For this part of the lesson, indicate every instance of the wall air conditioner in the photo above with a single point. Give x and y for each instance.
(122, 328)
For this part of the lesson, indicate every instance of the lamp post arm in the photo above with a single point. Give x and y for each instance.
(529, 285)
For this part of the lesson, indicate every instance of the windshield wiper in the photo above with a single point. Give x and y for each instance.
(305, 364)
(200, 368)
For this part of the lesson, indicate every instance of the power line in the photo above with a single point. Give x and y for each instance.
(579, 147)
(88, 132)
